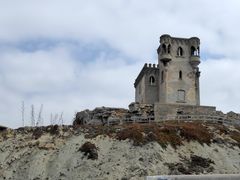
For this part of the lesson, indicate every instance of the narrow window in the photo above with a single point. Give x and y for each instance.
(193, 51)
(181, 95)
(164, 48)
(180, 75)
(152, 80)
(169, 49)
(162, 76)
(179, 51)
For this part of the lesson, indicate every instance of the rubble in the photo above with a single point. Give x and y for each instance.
(108, 115)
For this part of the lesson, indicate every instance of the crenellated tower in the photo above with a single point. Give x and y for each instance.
(178, 60)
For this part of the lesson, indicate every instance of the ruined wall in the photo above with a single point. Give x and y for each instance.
(178, 109)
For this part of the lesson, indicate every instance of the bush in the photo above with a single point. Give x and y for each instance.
(54, 130)
(37, 133)
(133, 132)
(235, 135)
(90, 150)
(172, 133)
(195, 131)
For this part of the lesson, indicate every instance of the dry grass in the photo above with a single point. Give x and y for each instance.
(235, 135)
(133, 132)
(37, 132)
(195, 131)
(172, 133)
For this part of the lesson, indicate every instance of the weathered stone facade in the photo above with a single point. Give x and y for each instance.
(176, 77)
(173, 85)
(147, 85)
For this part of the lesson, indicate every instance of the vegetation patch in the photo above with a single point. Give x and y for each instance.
(194, 165)
(37, 132)
(53, 129)
(90, 150)
(133, 132)
(92, 131)
(235, 135)
(172, 133)
(195, 131)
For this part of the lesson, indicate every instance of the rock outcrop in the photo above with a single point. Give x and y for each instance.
(2, 128)
(107, 115)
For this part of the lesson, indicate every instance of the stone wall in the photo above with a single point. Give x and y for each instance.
(139, 112)
(179, 109)
(108, 115)
(146, 91)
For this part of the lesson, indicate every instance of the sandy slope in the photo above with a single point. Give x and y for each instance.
(57, 157)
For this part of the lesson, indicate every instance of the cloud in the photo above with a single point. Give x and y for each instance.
(62, 81)
(71, 55)
(219, 84)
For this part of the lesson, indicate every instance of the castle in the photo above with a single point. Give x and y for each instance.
(169, 90)
(173, 84)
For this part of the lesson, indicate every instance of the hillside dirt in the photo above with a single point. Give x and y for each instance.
(130, 151)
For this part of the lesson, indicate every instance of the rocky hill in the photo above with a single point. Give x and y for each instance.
(129, 151)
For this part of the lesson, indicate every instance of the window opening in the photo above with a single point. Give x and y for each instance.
(194, 52)
(164, 48)
(180, 51)
(169, 49)
(181, 95)
(180, 75)
(152, 80)
(162, 76)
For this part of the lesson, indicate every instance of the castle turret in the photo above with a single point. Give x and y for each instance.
(164, 50)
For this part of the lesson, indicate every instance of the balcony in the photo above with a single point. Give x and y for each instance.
(165, 58)
(194, 61)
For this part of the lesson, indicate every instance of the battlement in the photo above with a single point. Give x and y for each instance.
(171, 47)
(168, 39)
(146, 67)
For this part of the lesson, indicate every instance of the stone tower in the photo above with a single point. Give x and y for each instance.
(175, 80)
(172, 86)
(178, 60)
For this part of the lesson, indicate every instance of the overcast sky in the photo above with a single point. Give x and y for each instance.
(73, 55)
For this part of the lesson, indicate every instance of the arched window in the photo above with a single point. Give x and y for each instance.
(169, 49)
(181, 95)
(179, 51)
(164, 48)
(162, 76)
(194, 52)
(152, 80)
(180, 75)
(198, 51)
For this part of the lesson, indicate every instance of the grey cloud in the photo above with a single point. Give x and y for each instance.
(64, 74)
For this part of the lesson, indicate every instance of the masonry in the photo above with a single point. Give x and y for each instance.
(173, 84)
